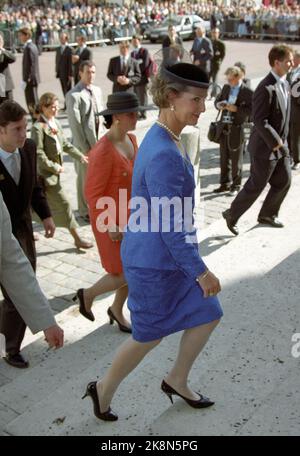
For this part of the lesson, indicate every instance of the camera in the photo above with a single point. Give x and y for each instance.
(227, 118)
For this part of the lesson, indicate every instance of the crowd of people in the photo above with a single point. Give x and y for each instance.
(98, 21)
(159, 271)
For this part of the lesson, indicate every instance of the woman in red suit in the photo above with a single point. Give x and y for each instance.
(109, 171)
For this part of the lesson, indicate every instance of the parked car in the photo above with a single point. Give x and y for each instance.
(185, 26)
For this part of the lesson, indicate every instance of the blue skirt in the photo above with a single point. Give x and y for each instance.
(162, 302)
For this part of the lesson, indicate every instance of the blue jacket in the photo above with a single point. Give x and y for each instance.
(160, 171)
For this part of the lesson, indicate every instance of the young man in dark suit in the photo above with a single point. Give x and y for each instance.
(124, 71)
(31, 72)
(142, 56)
(21, 192)
(270, 161)
(219, 50)
(82, 53)
(63, 64)
(235, 102)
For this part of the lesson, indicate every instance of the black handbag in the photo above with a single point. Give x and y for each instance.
(215, 130)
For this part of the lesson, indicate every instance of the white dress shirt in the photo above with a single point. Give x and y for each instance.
(284, 86)
(12, 163)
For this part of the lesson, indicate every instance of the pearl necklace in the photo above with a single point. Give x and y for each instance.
(176, 137)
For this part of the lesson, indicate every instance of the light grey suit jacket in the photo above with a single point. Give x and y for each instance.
(17, 277)
(81, 116)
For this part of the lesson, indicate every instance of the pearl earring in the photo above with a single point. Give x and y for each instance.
(172, 108)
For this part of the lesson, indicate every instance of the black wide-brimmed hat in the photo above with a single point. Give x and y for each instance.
(120, 102)
(186, 74)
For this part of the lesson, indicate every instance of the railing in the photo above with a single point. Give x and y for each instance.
(261, 29)
(49, 39)
(97, 34)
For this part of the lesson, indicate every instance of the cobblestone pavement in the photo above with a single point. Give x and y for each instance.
(62, 268)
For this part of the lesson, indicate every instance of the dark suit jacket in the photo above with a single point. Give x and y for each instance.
(170, 55)
(295, 103)
(31, 72)
(6, 58)
(266, 107)
(132, 72)
(143, 58)
(244, 107)
(219, 51)
(86, 54)
(243, 103)
(63, 63)
(20, 199)
(203, 52)
(167, 42)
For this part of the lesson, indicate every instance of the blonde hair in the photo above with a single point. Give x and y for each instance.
(234, 71)
(160, 90)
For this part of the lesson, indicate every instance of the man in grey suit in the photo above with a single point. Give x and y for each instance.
(31, 72)
(17, 276)
(202, 50)
(83, 103)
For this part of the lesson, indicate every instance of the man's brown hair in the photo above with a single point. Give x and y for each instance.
(279, 52)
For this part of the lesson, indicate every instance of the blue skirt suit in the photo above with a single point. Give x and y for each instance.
(159, 252)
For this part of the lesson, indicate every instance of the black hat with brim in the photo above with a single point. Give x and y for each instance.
(186, 74)
(120, 102)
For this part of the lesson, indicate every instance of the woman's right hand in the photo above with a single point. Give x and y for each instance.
(60, 170)
(209, 283)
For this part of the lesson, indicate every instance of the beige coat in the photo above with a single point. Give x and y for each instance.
(49, 158)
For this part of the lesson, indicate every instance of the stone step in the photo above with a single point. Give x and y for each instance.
(247, 359)
(240, 368)
(50, 368)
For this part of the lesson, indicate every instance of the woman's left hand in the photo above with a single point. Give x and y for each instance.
(115, 234)
(84, 159)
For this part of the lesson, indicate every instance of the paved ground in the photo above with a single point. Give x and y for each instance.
(248, 367)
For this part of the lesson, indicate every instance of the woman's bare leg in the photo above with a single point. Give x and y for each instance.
(117, 305)
(129, 355)
(107, 283)
(192, 342)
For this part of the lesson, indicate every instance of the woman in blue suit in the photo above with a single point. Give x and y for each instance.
(170, 287)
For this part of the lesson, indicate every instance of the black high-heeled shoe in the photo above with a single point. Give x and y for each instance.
(91, 391)
(202, 402)
(79, 296)
(112, 318)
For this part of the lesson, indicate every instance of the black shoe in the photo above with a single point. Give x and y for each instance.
(272, 221)
(234, 191)
(85, 218)
(231, 225)
(222, 189)
(202, 402)
(91, 391)
(79, 296)
(112, 318)
(17, 361)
